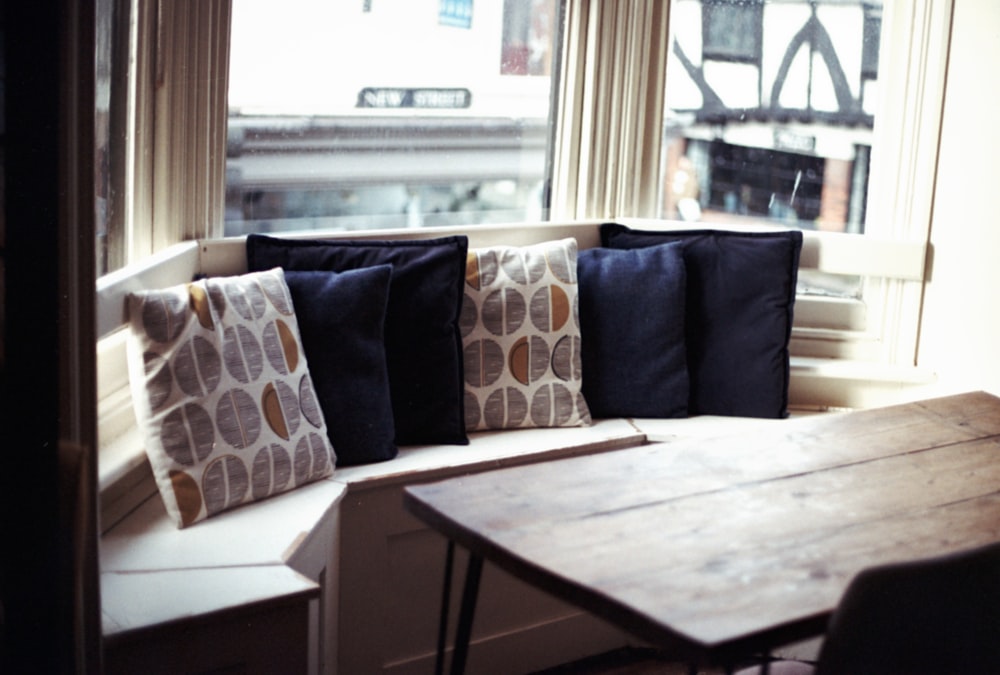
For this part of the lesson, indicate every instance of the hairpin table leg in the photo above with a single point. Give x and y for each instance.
(445, 605)
(468, 610)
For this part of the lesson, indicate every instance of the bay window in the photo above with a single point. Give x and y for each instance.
(238, 116)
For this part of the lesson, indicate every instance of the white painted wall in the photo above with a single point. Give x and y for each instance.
(960, 324)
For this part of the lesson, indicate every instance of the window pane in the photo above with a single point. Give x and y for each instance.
(773, 127)
(109, 242)
(369, 114)
(112, 70)
(731, 29)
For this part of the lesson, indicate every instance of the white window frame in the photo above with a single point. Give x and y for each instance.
(905, 158)
(173, 157)
(608, 151)
(606, 163)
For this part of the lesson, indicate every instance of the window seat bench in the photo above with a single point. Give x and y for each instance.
(244, 589)
(336, 577)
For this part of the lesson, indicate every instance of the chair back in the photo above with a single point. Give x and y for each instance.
(926, 617)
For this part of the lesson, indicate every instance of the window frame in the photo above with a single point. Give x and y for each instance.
(905, 159)
(608, 119)
(172, 102)
(616, 54)
(606, 163)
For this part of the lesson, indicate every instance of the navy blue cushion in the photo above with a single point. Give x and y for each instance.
(740, 299)
(422, 340)
(341, 320)
(634, 361)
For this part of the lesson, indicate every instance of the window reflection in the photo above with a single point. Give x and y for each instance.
(388, 114)
(770, 111)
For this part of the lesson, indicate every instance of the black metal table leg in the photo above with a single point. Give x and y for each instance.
(442, 643)
(466, 614)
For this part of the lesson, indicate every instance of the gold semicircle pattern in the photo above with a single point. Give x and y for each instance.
(201, 306)
(187, 495)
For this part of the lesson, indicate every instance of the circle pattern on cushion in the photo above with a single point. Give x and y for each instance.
(223, 395)
(521, 338)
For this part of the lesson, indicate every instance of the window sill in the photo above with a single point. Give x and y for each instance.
(125, 479)
(824, 384)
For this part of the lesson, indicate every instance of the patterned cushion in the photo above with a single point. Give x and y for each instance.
(521, 338)
(632, 322)
(342, 321)
(422, 342)
(740, 299)
(223, 395)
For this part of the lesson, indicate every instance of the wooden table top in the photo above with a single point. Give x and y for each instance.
(726, 546)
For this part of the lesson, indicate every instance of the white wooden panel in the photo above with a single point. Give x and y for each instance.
(705, 426)
(156, 577)
(268, 636)
(836, 383)
(864, 255)
(490, 450)
(175, 265)
(221, 257)
(267, 532)
(141, 599)
(391, 573)
(832, 252)
(821, 312)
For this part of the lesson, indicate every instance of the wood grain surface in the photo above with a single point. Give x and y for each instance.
(725, 546)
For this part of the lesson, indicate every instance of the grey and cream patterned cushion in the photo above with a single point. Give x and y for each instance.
(222, 393)
(521, 338)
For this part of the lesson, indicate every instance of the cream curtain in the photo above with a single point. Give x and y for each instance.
(610, 128)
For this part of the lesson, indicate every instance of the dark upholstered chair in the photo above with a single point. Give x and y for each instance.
(937, 616)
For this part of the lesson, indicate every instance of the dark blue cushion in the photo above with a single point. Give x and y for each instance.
(341, 320)
(740, 299)
(634, 361)
(422, 340)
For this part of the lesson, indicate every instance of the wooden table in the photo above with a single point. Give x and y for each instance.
(727, 547)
